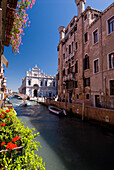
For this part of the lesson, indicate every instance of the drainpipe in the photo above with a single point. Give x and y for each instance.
(101, 52)
(83, 105)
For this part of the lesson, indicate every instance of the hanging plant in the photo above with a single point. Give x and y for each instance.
(21, 20)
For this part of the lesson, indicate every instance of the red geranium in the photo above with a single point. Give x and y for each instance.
(2, 116)
(15, 139)
(7, 110)
(2, 124)
(9, 115)
(3, 143)
(11, 145)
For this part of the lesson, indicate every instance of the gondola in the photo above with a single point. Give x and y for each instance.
(57, 111)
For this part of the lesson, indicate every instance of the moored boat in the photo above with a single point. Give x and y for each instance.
(24, 103)
(57, 111)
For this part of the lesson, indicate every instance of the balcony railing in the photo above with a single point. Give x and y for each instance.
(69, 77)
(69, 56)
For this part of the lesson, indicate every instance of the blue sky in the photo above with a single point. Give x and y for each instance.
(41, 38)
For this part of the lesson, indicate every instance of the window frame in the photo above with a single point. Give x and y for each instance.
(77, 66)
(85, 62)
(107, 23)
(93, 36)
(108, 60)
(86, 33)
(94, 67)
(109, 88)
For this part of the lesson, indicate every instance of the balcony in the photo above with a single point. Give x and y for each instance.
(69, 77)
(69, 56)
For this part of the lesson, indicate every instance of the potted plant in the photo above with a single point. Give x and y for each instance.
(17, 144)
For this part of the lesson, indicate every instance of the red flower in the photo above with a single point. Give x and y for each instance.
(15, 139)
(3, 124)
(7, 110)
(9, 115)
(3, 113)
(2, 116)
(11, 145)
(3, 143)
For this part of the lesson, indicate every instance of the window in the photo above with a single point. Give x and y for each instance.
(86, 62)
(76, 67)
(87, 82)
(69, 49)
(63, 56)
(41, 83)
(111, 25)
(45, 83)
(96, 66)
(86, 36)
(29, 82)
(77, 96)
(54, 84)
(95, 16)
(111, 87)
(35, 75)
(95, 36)
(85, 17)
(76, 45)
(75, 28)
(72, 46)
(76, 84)
(111, 60)
(87, 96)
(64, 72)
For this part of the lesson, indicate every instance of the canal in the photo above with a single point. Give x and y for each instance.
(68, 143)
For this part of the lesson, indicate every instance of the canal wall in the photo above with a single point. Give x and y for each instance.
(89, 113)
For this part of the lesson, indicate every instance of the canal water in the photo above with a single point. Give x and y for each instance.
(68, 143)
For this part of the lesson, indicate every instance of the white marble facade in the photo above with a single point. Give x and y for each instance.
(37, 84)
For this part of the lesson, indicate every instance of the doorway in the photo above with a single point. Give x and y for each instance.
(49, 94)
(35, 93)
(97, 101)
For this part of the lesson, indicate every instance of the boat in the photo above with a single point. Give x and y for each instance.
(57, 111)
(24, 103)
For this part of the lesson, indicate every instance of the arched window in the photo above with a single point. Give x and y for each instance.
(41, 83)
(29, 82)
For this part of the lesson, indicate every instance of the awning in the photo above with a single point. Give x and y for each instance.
(4, 60)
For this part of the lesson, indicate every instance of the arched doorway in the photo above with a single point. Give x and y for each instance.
(35, 93)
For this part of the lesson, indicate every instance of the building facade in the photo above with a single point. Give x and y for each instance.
(37, 84)
(86, 57)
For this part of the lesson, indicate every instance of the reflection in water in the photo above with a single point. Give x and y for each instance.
(68, 143)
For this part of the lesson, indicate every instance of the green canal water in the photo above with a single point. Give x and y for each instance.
(68, 143)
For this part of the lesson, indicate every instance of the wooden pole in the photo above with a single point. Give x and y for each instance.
(83, 110)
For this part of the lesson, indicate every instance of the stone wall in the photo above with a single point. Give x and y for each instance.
(90, 113)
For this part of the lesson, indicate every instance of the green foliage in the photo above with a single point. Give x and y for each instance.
(18, 143)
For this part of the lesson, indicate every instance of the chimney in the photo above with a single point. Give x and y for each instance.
(62, 32)
(80, 5)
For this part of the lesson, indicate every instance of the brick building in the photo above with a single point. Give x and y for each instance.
(86, 57)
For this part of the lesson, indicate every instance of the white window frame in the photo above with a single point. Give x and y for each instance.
(93, 36)
(93, 65)
(107, 25)
(108, 60)
(109, 89)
